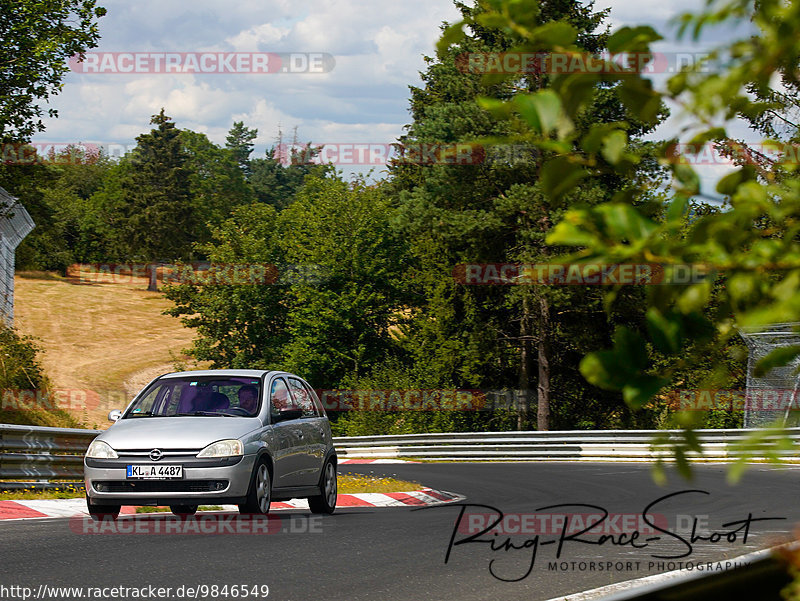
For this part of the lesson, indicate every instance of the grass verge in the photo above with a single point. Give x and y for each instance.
(349, 483)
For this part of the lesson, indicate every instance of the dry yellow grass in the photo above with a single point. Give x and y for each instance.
(110, 338)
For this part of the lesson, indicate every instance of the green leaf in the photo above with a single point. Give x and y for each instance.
(695, 298)
(692, 441)
(498, 108)
(493, 20)
(630, 348)
(677, 207)
(658, 473)
(777, 358)
(559, 176)
(715, 133)
(566, 233)
(731, 182)
(682, 464)
(613, 146)
(688, 177)
(736, 470)
(576, 91)
(628, 39)
(640, 390)
(554, 33)
(624, 222)
(640, 99)
(666, 332)
(541, 110)
(602, 368)
(593, 140)
(452, 35)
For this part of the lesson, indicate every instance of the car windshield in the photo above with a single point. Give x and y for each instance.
(199, 396)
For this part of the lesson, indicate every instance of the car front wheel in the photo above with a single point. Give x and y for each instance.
(326, 501)
(260, 495)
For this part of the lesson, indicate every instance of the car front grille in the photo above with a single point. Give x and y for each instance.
(176, 486)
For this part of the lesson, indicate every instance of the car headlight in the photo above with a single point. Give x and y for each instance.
(100, 450)
(223, 448)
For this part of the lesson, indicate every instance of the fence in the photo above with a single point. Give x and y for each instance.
(38, 457)
(15, 224)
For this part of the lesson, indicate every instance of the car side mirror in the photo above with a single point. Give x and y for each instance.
(287, 414)
(114, 415)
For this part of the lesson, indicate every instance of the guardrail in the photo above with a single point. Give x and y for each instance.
(38, 457)
(570, 445)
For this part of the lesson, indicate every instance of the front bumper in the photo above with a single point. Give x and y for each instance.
(209, 482)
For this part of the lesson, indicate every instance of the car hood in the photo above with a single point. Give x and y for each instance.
(144, 433)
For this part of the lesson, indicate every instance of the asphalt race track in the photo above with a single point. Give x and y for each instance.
(399, 553)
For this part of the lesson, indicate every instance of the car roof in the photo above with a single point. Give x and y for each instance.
(247, 373)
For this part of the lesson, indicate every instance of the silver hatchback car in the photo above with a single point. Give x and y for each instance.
(244, 437)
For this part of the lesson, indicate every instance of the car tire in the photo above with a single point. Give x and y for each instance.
(259, 496)
(183, 509)
(101, 512)
(328, 488)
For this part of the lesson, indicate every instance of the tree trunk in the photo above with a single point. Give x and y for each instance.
(543, 388)
(523, 398)
(152, 285)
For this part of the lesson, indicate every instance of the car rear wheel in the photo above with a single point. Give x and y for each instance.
(100, 512)
(326, 501)
(260, 495)
(183, 509)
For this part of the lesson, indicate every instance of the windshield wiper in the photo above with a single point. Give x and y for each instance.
(140, 414)
(203, 413)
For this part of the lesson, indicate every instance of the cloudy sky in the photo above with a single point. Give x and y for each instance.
(377, 47)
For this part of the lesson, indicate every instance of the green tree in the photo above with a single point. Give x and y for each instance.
(277, 184)
(240, 142)
(216, 183)
(749, 251)
(335, 293)
(60, 208)
(157, 212)
(497, 209)
(38, 38)
(238, 325)
(340, 320)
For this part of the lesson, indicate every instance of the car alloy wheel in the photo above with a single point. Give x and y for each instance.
(260, 496)
(328, 488)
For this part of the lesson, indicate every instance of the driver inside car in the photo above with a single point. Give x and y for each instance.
(248, 399)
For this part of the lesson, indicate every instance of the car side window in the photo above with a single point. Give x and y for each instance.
(302, 398)
(314, 399)
(279, 396)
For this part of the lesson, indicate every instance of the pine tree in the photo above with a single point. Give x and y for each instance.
(157, 207)
(240, 142)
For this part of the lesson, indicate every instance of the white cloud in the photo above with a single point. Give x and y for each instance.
(260, 37)
(377, 47)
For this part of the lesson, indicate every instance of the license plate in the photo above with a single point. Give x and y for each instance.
(155, 472)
